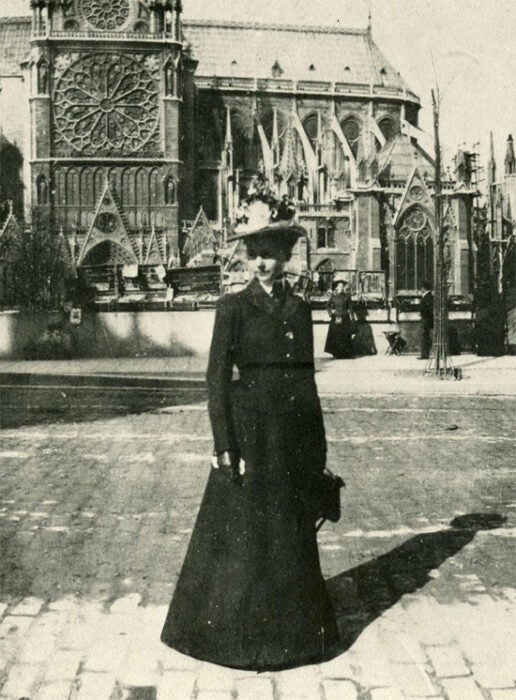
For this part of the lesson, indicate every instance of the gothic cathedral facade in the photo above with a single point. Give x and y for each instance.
(108, 82)
(143, 124)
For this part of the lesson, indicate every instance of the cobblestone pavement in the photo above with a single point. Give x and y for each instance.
(95, 517)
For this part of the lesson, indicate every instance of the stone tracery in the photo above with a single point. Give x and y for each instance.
(106, 103)
(105, 14)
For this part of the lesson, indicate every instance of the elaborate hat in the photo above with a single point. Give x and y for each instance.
(263, 213)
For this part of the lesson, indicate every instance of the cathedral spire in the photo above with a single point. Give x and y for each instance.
(369, 19)
(510, 159)
(275, 138)
(229, 135)
(491, 167)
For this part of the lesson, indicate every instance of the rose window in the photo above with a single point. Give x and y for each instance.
(106, 103)
(105, 14)
(417, 192)
(416, 220)
(106, 222)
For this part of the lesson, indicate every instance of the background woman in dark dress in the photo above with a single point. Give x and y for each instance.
(251, 594)
(339, 341)
(363, 339)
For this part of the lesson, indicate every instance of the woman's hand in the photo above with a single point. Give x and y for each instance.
(225, 459)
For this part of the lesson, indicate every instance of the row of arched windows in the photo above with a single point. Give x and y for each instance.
(133, 187)
(246, 142)
(141, 194)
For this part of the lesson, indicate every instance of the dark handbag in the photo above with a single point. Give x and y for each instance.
(320, 495)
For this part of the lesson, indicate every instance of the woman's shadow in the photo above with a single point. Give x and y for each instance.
(362, 594)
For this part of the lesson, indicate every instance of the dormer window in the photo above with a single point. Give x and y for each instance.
(277, 70)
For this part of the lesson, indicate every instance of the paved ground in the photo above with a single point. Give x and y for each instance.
(385, 374)
(98, 498)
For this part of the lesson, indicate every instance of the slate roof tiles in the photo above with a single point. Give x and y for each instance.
(235, 49)
(231, 49)
(14, 44)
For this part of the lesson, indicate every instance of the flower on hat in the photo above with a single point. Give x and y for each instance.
(262, 209)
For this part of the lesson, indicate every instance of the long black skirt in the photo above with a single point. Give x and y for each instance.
(339, 341)
(251, 594)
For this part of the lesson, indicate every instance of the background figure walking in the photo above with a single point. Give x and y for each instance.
(426, 311)
(339, 341)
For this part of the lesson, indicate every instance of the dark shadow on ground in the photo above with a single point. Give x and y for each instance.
(362, 594)
(31, 399)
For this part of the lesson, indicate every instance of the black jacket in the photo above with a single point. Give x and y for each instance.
(340, 305)
(426, 309)
(271, 344)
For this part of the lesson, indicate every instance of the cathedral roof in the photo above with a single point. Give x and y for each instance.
(298, 53)
(400, 155)
(253, 50)
(14, 43)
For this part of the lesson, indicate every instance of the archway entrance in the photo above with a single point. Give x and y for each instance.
(107, 253)
(102, 271)
(325, 270)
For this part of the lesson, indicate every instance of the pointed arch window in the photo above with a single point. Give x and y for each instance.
(414, 251)
(246, 144)
(388, 127)
(292, 187)
(335, 158)
(310, 125)
(352, 128)
(42, 190)
(170, 78)
(170, 190)
(179, 80)
(42, 70)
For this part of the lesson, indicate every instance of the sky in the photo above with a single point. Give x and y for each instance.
(467, 47)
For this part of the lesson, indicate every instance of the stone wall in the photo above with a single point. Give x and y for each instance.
(163, 334)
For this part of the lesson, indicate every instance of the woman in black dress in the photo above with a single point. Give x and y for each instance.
(251, 594)
(339, 341)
